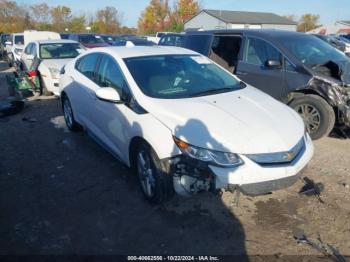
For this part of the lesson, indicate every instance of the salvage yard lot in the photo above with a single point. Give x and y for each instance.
(60, 193)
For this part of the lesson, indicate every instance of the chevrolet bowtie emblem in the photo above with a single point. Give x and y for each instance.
(288, 156)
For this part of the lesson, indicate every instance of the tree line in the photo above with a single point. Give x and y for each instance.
(157, 16)
(16, 17)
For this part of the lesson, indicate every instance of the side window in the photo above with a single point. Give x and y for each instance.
(259, 51)
(198, 43)
(162, 41)
(33, 50)
(110, 75)
(87, 64)
(288, 66)
(28, 49)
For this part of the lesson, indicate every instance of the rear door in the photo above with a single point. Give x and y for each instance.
(253, 70)
(83, 94)
(225, 50)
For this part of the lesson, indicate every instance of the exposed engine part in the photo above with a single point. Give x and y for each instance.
(186, 185)
(191, 177)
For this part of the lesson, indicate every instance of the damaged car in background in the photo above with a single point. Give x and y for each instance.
(298, 69)
(46, 58)
(182, 122)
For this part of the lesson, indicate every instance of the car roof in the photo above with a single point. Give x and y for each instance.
(140, 51)
(57, 41)
(174, 34)
(272, 33)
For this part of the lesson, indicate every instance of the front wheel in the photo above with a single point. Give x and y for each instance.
(318, 115)
(156, 184)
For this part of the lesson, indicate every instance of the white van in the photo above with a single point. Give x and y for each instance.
(18, 42)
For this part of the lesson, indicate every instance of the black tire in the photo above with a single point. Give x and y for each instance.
(320, 110)
(162, 186)
(70, 121)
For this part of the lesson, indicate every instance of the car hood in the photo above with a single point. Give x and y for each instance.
(245, 121)
(56, 63)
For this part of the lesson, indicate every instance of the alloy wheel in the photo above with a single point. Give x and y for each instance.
(146, 173)
(68, 113)
(311, 117)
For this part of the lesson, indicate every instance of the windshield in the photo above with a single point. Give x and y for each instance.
(4, 38)
(311, 50)
(90, 39)
(59, 50)
(19, 40)
(180, 76)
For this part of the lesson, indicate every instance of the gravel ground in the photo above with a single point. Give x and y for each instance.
(60, 193)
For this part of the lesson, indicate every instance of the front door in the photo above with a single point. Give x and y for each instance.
(109, 118)
(253, 68)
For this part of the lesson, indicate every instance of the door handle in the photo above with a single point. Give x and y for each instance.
(241, 73)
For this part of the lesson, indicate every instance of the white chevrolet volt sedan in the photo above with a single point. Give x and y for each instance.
(182, 122)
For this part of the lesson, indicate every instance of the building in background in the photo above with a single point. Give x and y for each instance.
(221, 19)
(339, 27)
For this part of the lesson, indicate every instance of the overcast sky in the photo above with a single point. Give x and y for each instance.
(329, 10)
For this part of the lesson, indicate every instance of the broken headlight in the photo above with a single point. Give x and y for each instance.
(218, 158)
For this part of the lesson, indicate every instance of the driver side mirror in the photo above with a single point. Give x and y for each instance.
(108, 94)
(273, 64)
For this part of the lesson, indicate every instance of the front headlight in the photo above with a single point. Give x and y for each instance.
(55, 73)
(217, 158)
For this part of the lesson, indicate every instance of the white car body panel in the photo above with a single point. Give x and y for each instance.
(245, 121)
(33, 35)
(252, 172)
(51, 83)
(19, 46)
(245, 132)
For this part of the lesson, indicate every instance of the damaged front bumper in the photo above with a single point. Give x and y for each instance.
(337, 95)
(251, 178)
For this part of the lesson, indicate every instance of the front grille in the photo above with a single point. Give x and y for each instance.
(279, 158)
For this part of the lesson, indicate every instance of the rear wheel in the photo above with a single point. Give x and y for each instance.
(156, 184)
(68, 114)
(318, 115)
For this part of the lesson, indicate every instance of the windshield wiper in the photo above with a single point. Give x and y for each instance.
(214, 91)
(221, 90)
